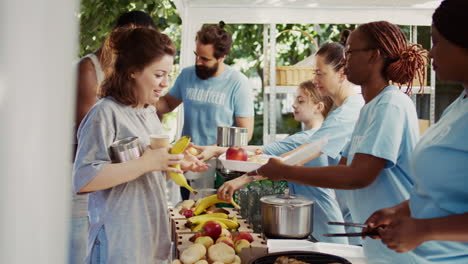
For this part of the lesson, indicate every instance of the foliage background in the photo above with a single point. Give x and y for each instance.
(97, 18)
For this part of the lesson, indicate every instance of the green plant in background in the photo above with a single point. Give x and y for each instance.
(98, 17)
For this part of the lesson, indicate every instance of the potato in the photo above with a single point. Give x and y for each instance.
(176, 261)
(201, 262)
(187, 204)
(237, 260)
(221, 252)
(217, 262)
(193, 253)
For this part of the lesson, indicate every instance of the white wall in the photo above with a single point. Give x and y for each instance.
(38, 44)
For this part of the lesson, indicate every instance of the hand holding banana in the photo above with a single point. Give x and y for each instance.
(179, 178)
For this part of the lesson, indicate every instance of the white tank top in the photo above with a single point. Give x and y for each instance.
(80, 201)
(97, 67)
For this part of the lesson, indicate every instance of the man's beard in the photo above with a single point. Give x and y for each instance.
(204, 72)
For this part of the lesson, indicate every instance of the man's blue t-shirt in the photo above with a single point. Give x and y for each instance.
(387, 128)
(211, 103)
(439, 165)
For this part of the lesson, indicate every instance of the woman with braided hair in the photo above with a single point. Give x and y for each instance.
(437, 211)
(374, 168)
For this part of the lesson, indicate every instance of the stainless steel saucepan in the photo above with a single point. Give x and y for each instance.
(287, 216)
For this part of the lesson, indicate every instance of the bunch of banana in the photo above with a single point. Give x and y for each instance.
(179, 178)
(209, 201)
(198, 218)
(223, 222)
(200, 226)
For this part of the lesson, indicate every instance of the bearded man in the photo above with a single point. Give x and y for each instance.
(213, 93)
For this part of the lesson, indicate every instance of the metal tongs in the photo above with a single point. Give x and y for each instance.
(372, 232)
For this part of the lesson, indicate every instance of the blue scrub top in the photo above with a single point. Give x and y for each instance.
(326, 207)
(387, 128)
(440, 169)
(210, 103)
(338, 127)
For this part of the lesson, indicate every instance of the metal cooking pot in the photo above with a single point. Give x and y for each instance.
(287, 216)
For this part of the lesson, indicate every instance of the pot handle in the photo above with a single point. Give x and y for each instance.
(287, 194)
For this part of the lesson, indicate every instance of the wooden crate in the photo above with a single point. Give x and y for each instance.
(174, 213)
(175, 216)
(257, 248)
(180, 228)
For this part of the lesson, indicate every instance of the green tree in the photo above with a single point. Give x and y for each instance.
(98, 17)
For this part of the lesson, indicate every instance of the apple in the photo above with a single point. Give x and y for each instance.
(236, 153)
(212, 229)
(244, 235)
(205, 241)
(225, 240)
(187, 213)
(240, 244)
(225, 233)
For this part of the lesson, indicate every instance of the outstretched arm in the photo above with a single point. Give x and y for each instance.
(362, 172)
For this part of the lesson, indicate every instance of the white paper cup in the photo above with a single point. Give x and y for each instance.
(159, 141)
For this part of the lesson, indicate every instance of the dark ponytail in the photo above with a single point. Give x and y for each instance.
(221, 24)
(333, 52)
(344, 37)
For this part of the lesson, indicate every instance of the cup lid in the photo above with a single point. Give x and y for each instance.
(286, 199)
(159, 136)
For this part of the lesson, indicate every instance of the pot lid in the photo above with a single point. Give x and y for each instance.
(286, 199)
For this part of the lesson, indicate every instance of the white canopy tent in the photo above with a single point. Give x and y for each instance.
(195, 13)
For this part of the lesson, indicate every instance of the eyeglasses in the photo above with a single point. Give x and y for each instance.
(204, 59)
(348, 51)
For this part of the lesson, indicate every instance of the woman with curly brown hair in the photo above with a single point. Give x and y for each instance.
(127, 201)
(374, 169)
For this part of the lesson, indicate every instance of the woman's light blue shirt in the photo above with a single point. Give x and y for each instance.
(387, 128)
(440, 169)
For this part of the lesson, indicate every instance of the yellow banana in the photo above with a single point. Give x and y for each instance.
(202, 220)
(209, 201)
(200, 225)
(179, 178)
(180, 145)
(198, 218)
(229, 223)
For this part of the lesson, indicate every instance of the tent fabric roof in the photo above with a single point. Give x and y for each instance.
(405, 12)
